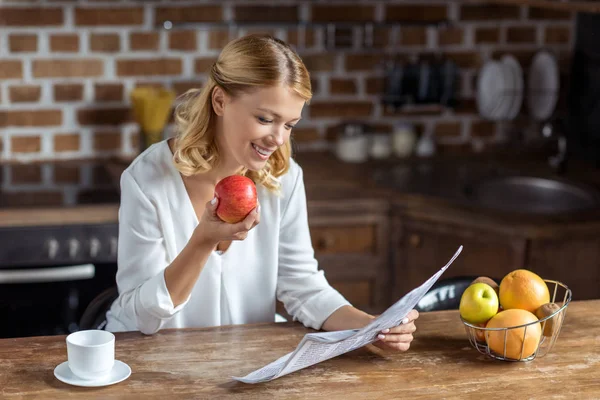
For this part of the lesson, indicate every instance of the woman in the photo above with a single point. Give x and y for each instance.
(179, 265)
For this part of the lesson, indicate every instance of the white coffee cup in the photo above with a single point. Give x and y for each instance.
(91, 353)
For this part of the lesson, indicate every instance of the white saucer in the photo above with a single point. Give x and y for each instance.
(119, 373)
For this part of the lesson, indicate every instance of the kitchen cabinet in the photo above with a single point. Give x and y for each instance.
(574, 261)
(351, 243)
(421, 247)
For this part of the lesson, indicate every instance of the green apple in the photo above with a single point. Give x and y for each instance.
(478, 303)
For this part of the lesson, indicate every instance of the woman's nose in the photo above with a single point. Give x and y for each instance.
(278, 136)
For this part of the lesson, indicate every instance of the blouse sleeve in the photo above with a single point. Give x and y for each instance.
(144, 300)
(302, 288)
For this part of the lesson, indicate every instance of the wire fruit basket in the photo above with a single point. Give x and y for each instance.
(550, 329)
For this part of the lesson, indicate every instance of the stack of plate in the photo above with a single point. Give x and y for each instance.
(543, 85)
(500, 89)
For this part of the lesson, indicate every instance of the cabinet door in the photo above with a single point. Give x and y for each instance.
(573, 261)
(422, 248)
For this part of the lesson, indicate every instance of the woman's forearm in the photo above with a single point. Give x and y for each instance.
(182, 274)
(346, 317)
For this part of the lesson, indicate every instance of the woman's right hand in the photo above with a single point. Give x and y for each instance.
(211, 229)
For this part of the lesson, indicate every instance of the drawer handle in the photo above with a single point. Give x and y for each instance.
(325, 242)
(414, 240)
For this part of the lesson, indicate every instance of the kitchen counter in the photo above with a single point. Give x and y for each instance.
(199, 363)
(432, 190)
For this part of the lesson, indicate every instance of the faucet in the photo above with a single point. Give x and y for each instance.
(558, 161)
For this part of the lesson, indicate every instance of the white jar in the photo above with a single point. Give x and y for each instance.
(381, 146)
(403, 140)
(352, 148)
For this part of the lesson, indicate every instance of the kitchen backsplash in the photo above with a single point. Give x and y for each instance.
(67, 67)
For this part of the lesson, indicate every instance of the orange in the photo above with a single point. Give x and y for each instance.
(525, 339)
(523, 289)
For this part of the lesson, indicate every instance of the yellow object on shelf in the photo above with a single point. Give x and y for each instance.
(151, 108)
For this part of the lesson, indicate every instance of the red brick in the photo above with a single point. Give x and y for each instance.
(480, 12)
(24, 173)
(375, 85)
(31, 16)
(539, 13)
(342, 109)
(465, 59)
(67, 142)
(252, 13)
(140, 41)
(68, 92)
(487, 35)
(466, 107)
(105, 92)
(557, 35)
(341, 13)
(381, 38)
(417, 111)
(25, 144)
(525, 34)
(413, 36)
(448, 129)
(319, 62)
(66, 174)
(105, 42)
(180, 14)
(311, 38)
(184, 86)
(11, 69)
(182, 40)
(416, 13)
(104, 116)
(315, 85)
(67, 68)
(450, 36)
(483, 129)
(217, 39)
(154, 66)
(342, 86)
(107, 140)
(25, 94)
(30, 118)
(203, 65)
(66, 43)
(293, 37)
(109, 16)
(305, 135)
(363, 62)
(22, 43)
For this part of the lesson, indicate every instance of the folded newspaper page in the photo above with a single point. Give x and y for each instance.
(320, 346)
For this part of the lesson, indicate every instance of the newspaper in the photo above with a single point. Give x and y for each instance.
(320, 346)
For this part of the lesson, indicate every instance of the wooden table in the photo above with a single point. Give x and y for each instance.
(199, 363)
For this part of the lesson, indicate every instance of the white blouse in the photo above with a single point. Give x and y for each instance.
(239, 286)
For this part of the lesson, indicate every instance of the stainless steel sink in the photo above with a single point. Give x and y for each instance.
(533, 195)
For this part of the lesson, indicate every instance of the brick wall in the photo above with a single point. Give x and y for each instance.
(67, 67)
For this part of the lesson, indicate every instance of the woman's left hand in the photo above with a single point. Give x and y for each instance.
(399, 337)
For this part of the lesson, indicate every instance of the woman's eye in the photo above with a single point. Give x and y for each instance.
(289, 127)
(264, 120)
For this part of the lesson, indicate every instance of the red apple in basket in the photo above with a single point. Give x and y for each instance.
(237, 198)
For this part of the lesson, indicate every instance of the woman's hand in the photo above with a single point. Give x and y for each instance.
(399, 337)
(211, 229)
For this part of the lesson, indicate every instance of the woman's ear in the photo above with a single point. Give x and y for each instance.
(219, 99)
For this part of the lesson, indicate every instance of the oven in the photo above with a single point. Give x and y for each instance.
(49, 274)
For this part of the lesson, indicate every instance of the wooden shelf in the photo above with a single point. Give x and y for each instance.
(564, 5)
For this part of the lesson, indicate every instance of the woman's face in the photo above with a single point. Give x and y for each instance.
(254, 125)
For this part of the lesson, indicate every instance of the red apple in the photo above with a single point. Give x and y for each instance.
(237, 198)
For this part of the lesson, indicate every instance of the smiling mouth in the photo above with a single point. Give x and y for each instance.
(262, 151)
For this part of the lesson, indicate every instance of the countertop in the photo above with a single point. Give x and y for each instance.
(199, 363)
(427, 188)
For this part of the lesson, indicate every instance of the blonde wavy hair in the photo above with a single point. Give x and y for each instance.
(245, 64)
